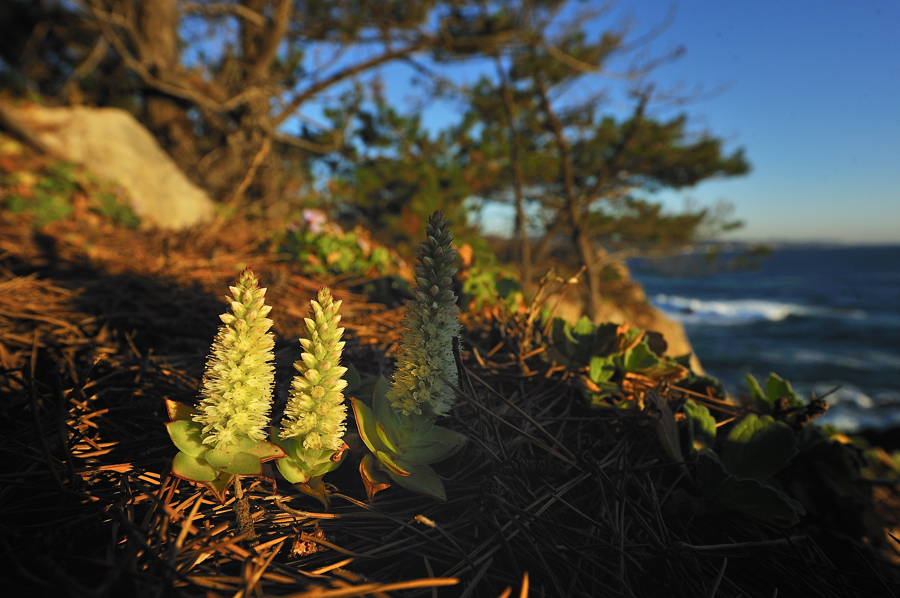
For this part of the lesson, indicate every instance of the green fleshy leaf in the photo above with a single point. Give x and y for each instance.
(293, 471)
(382, 435)
(440, 444)
(384, 413)
(264, 450)
(423, 480)
(758, 447)
(179, 411)
(365, 423)
(393, 466)
(220, 459)
(701, 426)
(244, 464)
(352, 379)
(366, 386)
(187, 436)
(373, 476)
(219, 485)
(193, 469)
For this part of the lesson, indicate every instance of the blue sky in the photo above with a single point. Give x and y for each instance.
(813, 94)
(810, 89)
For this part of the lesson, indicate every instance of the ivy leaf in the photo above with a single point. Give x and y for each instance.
(701, 426)
(753, 497)
(601, 369)
(758, 447)
(777, 387)
(640, 358)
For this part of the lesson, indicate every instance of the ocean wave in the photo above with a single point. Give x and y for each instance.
(866, 360)
(720, 312)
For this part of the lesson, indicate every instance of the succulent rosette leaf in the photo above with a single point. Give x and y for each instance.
(225, 435)
(399, 427)
(313, 427)
(405, 457)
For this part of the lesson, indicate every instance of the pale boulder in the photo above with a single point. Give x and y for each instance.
(114, 145)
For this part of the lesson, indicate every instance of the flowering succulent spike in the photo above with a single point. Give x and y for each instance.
(225, 436)
(432, 322)
(315, 411)
(237, 384)
(313, 427)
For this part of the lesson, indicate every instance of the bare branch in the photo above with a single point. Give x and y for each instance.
(237, 10)
(281, 18)
(345, 73)
(178, 90)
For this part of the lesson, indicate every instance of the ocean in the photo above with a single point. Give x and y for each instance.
(820, 317)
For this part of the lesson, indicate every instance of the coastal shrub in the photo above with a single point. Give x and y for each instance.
(49, 191)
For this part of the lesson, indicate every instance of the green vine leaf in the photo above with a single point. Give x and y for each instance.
(701, 426)
(753, 497)
(758, 447)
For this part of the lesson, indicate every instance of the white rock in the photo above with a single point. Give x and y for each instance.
(114, 145)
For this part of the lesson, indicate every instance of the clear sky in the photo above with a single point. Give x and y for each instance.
(810, 89)
(813, 95)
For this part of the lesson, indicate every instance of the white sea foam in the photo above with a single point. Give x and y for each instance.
(742, 311)
(866, 360)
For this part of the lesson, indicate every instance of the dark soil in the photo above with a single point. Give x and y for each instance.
(100, 325)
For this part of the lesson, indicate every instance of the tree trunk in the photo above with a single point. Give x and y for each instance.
(520, 231)
(577, 220)
(157, 51)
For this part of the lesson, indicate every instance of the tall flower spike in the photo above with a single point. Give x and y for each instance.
(237, 384)
(315, 411)
(432, 322)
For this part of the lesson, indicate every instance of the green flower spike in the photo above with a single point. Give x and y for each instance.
(399, 428)
(312, 431)
(432, 323)
(226, 435)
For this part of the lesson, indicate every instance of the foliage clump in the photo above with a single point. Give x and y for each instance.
(46, 191)
(325, 249)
